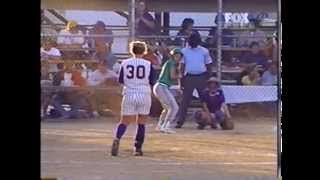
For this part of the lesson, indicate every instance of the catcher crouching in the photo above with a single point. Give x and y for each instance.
(215, 111)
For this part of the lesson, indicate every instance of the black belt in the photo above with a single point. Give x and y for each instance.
(202, 74)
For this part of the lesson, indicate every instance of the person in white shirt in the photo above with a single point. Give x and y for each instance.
(69, 39)
(269, 77)
(66, 38)
(99, 76)
(48, 52)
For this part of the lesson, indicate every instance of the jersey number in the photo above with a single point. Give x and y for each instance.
(140, 72)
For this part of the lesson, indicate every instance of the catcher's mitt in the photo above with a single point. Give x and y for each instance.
(227, 124)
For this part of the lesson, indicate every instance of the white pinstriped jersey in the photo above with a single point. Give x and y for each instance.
(136, 75)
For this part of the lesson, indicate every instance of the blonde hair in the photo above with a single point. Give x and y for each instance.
(71, 24)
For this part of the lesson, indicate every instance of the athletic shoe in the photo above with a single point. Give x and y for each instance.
(163, 130)
(158, 126)
(214, 126)
(115, 147)
(178, 126)
(138, 152)
(169, 131)
(200, 127)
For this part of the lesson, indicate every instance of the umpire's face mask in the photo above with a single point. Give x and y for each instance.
(213, 85)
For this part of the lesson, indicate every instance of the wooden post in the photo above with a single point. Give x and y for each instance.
(166, 23)
(158, 22)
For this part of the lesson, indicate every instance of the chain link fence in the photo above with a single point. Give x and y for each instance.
(241, 86)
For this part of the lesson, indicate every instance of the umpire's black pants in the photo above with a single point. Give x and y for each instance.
(189, 83)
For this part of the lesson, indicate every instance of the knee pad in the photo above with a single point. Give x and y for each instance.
(220, 116)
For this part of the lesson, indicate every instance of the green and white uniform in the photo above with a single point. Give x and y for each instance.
(167, 100)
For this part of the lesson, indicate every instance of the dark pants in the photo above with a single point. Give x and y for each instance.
(189, 83)
(76, 104)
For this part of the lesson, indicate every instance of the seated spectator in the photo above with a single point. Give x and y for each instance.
(254, 56)
(252, 79)
(271, 49)
(215, 111)
(59, 76)
(153, 56)
(270, 77)
(99, 76)
(186, 30)
(100, 29)
(76, 98)
(254, 35)
(244, 72)
(68, 40)
(103, 54)
(226, 41)
(275, 48)
(77, 78)
(145, 23)
(45, 71)
(211, 42)
(164, 50)
(49, 52)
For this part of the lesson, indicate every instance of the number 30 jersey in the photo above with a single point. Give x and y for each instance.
(136, 74)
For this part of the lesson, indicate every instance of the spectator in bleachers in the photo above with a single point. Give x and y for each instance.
(56, 81)
(226, 41)
(103, 54)
(145, 23)
(100, 77)
(275, 48)
(44, 71)
(164, 50)
(254, 56)
(68, 40)
(211, 42)
(101, 29)
(271, 48)
(186, 30)
(253, 77)
(153, 56)
(49, 52)
(76, 98)
(59, 76)
(270, 77)
(253, 35)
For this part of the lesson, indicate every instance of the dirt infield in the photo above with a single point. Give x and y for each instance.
(80, 151)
